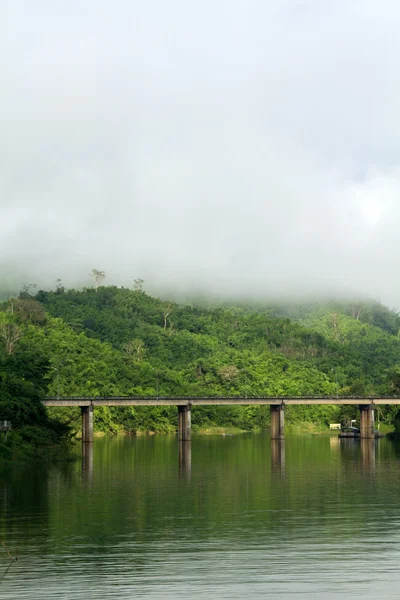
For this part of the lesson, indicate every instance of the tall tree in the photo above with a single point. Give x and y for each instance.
(167, 311)
(10, 332)
(138, 285)
(98, 277)
(134, 348)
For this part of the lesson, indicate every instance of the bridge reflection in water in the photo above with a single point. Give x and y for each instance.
(368, 454)
(185, 459)
(363, 449)
(87, 462)
(278, 457)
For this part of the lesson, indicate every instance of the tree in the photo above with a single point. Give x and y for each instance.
(29, 310)
(10, 333)
(26, 292)
(134, 347)
(356, 311)
(138, 285)
(98, 277)
(228, 373)
(167, 311)
(60, 289)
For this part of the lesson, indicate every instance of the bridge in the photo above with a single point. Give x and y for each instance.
(184, 404)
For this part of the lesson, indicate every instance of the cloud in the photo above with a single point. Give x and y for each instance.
(223, 147)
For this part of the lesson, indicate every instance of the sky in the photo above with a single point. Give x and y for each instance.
(225, 147)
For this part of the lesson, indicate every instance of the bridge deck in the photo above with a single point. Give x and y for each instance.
(195, 401)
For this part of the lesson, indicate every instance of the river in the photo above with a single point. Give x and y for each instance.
(228, 517)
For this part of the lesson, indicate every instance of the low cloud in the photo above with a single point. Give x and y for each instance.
(241, 148)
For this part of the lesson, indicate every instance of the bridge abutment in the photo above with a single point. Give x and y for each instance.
(277, 421)
(87, 423)
(184, 423)
(367, 421)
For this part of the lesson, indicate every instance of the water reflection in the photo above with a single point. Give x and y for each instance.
(87, 462)
(244, 520)
(334, 443)
(185, 458)
(368, 454)
(363, 451)
(278, 457)
(11, 561)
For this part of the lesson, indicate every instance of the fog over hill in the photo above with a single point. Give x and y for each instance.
(239, 148)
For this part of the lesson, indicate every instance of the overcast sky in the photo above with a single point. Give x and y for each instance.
(225, 146)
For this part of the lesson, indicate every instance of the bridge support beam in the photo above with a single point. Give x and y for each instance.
(87, 423)
(184, 423)
(367, 421)
(277, 421)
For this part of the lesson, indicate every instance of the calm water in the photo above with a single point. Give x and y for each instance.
(231, 517)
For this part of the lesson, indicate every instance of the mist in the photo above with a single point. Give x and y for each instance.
(240, 148)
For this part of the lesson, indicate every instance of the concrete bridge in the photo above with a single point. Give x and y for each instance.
(87, 404)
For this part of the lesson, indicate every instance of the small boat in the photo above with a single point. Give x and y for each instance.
(349, 432)
(354, 432)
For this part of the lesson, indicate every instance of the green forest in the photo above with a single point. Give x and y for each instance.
(109, 340)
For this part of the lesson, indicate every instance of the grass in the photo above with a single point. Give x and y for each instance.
(215, 430)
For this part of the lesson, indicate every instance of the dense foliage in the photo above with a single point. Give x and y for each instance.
(115, 341)
(23, 383)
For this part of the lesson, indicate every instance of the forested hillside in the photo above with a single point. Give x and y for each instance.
(116, 341)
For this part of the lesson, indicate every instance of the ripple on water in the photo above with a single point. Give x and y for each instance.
(237, 525)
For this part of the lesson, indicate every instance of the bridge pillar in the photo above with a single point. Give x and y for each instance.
(367, 421)
(87, 423)
(184, 423)
(277, 421)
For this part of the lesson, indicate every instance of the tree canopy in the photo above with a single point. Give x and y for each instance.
(116, 341)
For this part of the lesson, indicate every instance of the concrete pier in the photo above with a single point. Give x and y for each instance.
(277, 422)
(87, 424)
(184, 423)
(367, 421)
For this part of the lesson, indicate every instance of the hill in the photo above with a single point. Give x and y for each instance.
(116, 341)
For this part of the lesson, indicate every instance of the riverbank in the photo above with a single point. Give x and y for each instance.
(215, 430)
(36, 444)
(297, 429)
(302, 428)
(210, 430)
